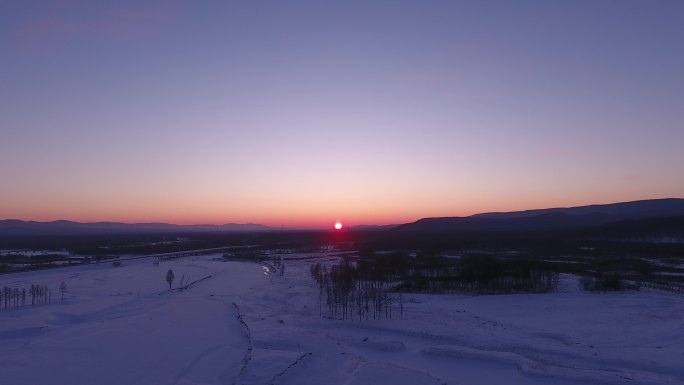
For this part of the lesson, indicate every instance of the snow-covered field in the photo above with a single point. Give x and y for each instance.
(244, 326)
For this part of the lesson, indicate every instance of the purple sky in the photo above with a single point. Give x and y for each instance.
(303, 113)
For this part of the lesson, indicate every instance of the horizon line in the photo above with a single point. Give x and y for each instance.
(315, 227)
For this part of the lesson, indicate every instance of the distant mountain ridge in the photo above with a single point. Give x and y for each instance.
(553, 218)
(62, 227)
(540, 219)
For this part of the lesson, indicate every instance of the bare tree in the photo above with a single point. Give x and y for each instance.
(169, 277)
(6, 292)
(62, 289)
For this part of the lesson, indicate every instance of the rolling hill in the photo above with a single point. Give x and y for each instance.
(553, 218)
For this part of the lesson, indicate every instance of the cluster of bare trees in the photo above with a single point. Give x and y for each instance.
(366, 287)
(12, 297)
(174, 256)
(278, 265)
(40, 294)
(665, 286)
(351, 295)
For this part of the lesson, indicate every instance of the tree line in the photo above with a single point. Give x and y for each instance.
(371, 286)
(35, 295)
(351, 295)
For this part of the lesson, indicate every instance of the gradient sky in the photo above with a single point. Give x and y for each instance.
(301, 113)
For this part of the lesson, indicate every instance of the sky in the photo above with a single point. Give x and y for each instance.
(302, 113)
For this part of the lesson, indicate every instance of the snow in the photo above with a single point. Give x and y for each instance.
(242, 326)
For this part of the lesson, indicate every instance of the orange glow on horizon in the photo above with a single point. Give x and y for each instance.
(296, 212)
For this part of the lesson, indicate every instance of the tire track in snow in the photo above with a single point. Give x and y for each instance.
(301, 357)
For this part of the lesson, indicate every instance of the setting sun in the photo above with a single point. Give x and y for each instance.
(338, 225)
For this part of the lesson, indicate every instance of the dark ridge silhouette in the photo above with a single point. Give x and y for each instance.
(648, 229)
(553, 218)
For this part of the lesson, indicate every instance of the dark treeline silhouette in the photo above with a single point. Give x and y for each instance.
(143, 244)
(640, 250)
(474, 273)
(349, 286)
(637, 236)
(368, 287)
(17, 261)
(480, 274)
(603, 282)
